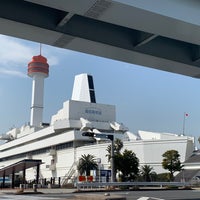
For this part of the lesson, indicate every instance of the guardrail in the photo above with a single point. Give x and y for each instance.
(80, 185)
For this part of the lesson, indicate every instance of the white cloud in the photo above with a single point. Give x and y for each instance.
(52, 60)
(15, 54)
(13, 73)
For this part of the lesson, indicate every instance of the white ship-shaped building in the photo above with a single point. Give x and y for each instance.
(60, 143)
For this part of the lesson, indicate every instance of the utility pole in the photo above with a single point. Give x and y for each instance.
(112, 159)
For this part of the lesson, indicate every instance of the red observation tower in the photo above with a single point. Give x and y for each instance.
(38, 69)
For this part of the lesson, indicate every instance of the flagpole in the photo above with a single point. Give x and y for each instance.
(184, 117)
(184, 123)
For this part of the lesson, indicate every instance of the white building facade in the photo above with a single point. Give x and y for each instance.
(60, 143)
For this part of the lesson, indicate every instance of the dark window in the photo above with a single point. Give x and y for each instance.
(92, 96)
(90, 82)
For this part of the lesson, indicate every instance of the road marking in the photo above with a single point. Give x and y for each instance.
(25, 197)
(149, 198)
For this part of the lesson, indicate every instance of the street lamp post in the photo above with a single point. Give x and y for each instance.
(111, 138)
(99, 166)
(112, 160)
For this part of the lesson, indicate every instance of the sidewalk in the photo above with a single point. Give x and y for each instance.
(39, 190)
(60, 191)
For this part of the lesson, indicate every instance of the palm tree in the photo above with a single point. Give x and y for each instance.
(118, 145)
(146, 172)
(87, 163)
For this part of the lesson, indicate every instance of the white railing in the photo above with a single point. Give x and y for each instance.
(69, 174)
(80, 185)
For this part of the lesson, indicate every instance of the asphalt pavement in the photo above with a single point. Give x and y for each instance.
(69, 194)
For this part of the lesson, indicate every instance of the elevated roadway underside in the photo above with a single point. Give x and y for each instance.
(161, 34)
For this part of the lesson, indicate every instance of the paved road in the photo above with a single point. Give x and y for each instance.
(14, 197)
(130, 195)
(35, 197)
(164, 195)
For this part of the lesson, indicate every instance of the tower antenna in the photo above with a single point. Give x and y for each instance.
(40, 49)
(38, 70)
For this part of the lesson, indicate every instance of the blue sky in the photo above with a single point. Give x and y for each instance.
(145, 99)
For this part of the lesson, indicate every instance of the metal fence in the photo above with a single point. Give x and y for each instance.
(82, 185)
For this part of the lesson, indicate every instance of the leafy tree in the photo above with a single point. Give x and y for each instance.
(162, 177)
(171, 162)
(87, 163)
(127, 163)
(147, 173)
